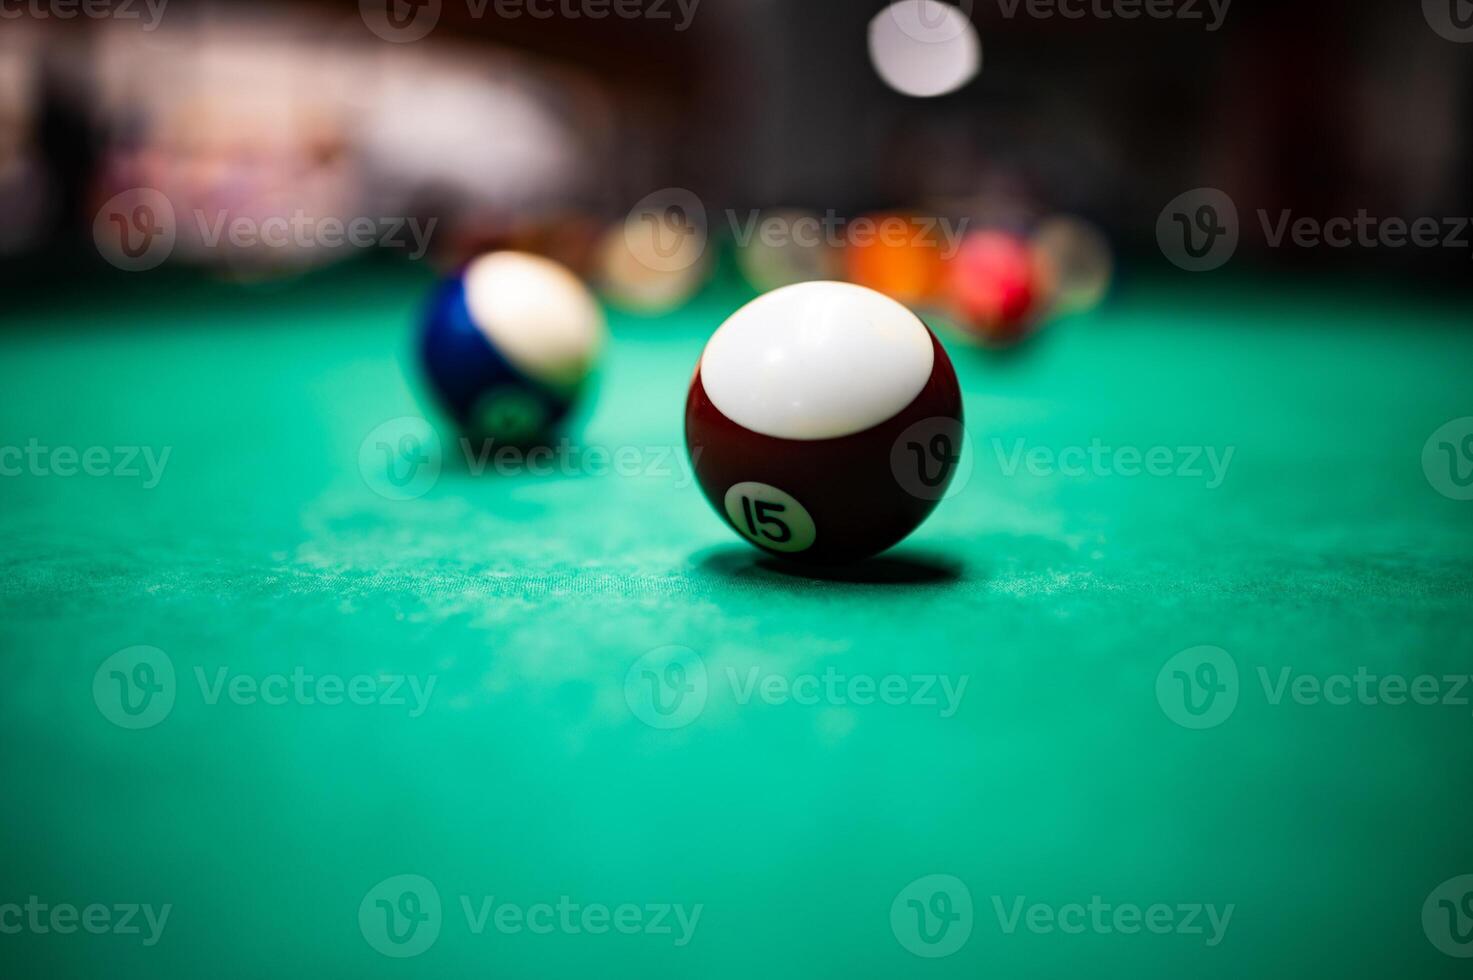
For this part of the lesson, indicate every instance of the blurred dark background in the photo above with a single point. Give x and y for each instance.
(493, 122)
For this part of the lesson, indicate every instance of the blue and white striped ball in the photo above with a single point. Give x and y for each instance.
(509, 344)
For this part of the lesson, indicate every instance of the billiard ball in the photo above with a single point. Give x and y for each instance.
(824, 422)
(995, 287)
(1074, 262)
(900, 259)
(509, 343)
(786, 247)
(651, 270)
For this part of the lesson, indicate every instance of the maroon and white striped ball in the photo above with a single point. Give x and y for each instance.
(824, 422)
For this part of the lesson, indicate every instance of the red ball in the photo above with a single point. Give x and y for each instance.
(824, 422)
(996, 286)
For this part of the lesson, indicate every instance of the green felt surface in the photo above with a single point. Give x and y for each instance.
(531, 773)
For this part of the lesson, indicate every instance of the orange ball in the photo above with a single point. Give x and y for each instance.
(900, 258)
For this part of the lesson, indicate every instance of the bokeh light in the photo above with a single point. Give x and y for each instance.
(924, 48)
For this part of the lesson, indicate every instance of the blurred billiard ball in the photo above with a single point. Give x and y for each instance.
(824, 422)
(651, 270)
(902, 259)
(996, 288)
(508, 345)
(1074, 262)
(785, 247)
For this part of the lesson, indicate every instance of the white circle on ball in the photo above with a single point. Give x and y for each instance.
(924, 48)
(770, 517)
(537, 313)
(817, 360)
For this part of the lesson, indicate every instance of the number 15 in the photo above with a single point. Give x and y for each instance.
(765, 510)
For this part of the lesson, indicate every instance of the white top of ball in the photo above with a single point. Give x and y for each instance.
(817, 360)
(537, 313)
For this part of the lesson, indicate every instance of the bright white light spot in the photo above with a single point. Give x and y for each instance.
(924, 48)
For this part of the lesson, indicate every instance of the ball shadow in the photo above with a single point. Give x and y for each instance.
(896, 568)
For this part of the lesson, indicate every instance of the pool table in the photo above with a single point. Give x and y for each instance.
(1175, 684)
